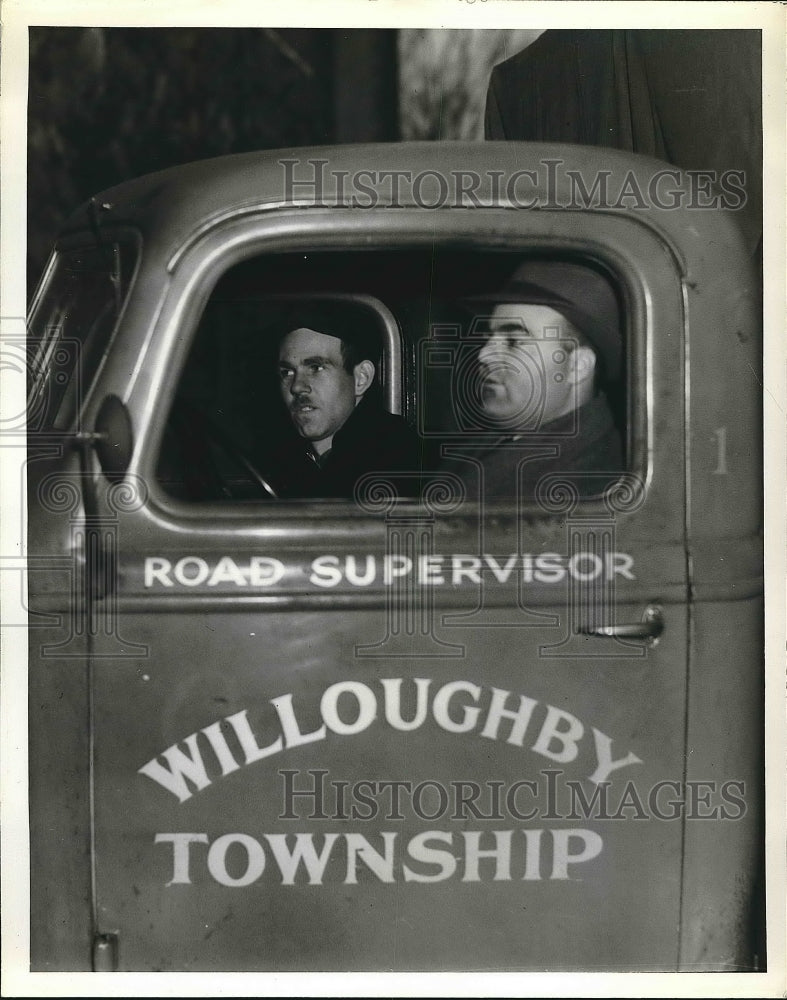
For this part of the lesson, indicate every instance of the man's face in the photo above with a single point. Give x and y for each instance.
(528, 377)
(318, 391)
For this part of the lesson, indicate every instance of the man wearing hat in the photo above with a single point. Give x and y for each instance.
(552, 345)
(328, 383)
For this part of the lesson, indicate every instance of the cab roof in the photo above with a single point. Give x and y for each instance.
(171, 206)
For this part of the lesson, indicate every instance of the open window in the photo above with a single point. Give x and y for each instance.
(508, 368)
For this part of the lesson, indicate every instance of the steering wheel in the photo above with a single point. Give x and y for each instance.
(234, 452)
(205, 448)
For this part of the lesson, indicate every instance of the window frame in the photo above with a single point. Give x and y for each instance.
(195, 273)
(126, 247)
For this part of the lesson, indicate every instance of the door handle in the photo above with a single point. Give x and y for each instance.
(650, 628)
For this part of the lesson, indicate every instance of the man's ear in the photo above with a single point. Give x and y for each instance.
(363, 374)
(582, 366)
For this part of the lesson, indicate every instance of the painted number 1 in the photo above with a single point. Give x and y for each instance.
(721, 441)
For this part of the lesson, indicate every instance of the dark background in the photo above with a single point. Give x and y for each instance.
(109, 104)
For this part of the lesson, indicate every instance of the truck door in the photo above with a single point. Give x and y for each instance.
(381, 736)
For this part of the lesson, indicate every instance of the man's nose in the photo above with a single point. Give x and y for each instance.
(489, 349)
(300, 383)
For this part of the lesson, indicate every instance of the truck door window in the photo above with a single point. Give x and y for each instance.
(508, 370)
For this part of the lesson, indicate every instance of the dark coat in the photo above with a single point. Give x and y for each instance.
(370, 441)
(584, 448)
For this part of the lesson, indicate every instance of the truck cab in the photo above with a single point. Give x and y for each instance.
(425, 726)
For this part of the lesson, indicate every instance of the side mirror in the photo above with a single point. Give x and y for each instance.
(114, 441)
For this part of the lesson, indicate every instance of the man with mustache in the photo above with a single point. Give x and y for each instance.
(327, 380)
(552, 345)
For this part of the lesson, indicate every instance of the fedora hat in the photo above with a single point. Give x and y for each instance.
(578, 292)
